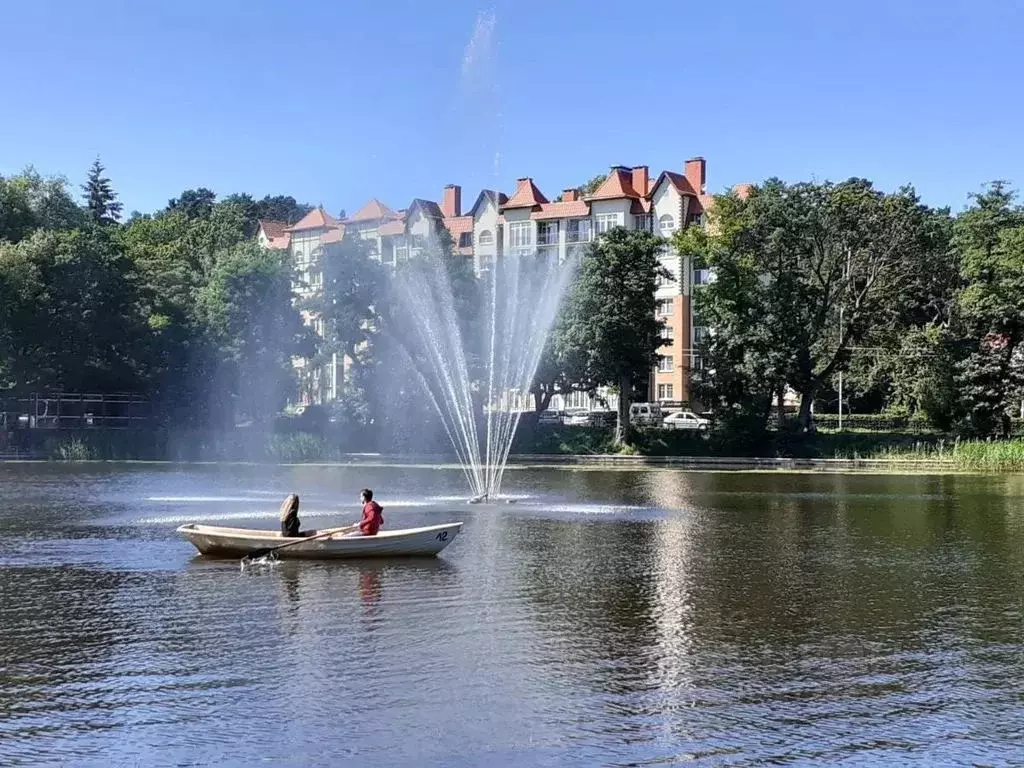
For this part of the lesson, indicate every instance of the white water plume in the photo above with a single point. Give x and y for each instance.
(521, 296)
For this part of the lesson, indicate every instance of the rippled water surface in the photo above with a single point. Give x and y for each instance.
(607, 618)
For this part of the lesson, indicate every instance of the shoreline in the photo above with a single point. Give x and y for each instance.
(586, 461)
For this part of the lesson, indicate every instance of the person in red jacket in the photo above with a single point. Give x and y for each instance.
(373, 517)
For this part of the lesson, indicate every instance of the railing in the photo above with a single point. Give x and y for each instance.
(73, 410)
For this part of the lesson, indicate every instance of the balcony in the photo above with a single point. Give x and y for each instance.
(700, 334)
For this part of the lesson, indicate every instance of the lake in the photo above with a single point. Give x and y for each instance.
(609, 617)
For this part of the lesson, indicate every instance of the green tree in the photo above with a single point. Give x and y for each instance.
(610, 314)
(72, 315)
(255, 331)
(353, 285)
(562, 369)
(193, 203)
(989, 237)
(274, 208)
(821, 265)
(29, 202)
(100, 199)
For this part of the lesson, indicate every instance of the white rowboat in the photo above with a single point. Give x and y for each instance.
(406, 542)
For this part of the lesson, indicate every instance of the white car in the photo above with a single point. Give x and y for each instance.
(685, 420)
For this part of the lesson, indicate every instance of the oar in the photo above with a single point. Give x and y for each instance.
(256, 554)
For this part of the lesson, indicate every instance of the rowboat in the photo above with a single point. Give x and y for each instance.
(405, 542)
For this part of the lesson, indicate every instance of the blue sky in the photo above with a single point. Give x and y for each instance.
(335, 102)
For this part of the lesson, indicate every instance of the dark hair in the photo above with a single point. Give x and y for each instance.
(366, 492)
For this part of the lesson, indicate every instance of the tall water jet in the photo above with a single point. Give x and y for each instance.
(492, 364)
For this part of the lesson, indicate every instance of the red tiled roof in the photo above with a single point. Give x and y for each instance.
(459, 224)
(393, 227)
(618, 184)
(526, 196)
(564, 210)
(271, 228)
(677, 180)
(275, 233)
(332, 236)
(374, 209)
(318, 218)
(640, 206)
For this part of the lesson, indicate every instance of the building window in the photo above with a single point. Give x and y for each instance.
(487, 237)
(520, 234)
(666, 224)
(466, 240)
(578, 231)
(401, 248)
(665, 364)
(666, 307)
(660, 280)
(606, 221)
(668, 335)
(485, 263)
(701, 276)
(642, 222)
(547, 233)
(665, 392)
(700, 334)
(696, 219)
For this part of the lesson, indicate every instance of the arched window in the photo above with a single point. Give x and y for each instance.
(487, 237)
(666, 224)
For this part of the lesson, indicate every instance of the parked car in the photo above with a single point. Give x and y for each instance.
(686, 420)
(645, 414)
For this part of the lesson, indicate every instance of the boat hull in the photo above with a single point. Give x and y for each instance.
(216, 541)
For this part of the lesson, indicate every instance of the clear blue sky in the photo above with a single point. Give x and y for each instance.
(335, 102)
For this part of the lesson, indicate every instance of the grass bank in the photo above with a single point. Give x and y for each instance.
(1000, 456)
(304, 447)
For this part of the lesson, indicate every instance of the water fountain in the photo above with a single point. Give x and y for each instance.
(519, 300)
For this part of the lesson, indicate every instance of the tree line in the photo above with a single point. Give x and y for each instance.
(920, 310)
(181, 306)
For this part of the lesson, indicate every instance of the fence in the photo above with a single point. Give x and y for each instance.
(74, 410)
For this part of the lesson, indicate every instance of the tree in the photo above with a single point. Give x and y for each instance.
(71, 313)
(29, 202)
(562, 370)
(609, 316)
(804, 272)
(274, 208)
(100, 199)
(353, 287)
(989, 237)
(193, 203)
(255, 331)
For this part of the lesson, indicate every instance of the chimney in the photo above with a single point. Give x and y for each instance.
(569, 195)
(452, 205)
(640, 180)
(694, 172)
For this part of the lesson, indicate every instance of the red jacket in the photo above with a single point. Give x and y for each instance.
(373, 518)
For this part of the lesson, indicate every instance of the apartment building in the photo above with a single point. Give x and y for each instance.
(524, 222)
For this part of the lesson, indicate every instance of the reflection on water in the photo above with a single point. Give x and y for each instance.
(610, 617)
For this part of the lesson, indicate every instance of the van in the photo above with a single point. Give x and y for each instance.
(645, 414)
